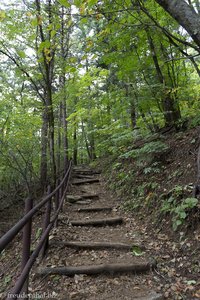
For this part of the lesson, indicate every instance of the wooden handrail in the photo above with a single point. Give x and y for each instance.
(26, 223)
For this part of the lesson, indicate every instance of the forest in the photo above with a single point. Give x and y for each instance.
(84, 79)
(114, 85)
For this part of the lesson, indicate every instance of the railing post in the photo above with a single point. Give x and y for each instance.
(61, 190)
(26, 243)
(47, 218)
(57, 196)
(57, 201)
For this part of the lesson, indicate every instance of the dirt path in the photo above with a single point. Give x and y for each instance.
(119, 279)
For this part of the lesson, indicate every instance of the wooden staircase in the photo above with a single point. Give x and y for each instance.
(96, 232)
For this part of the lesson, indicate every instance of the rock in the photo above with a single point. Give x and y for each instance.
(152, 296)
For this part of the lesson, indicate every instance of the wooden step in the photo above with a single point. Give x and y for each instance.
(98, 222)
(76, 198)
(85, 172)
(99, 269)
(95, 245)
(94, 209)
(83, 176)
(79, 182)
(90, 196)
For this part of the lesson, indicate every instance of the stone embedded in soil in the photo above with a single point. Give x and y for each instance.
(151, 296)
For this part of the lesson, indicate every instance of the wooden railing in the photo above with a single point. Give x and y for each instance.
(25, 224)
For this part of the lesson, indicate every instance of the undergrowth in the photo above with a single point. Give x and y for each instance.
(135, 177)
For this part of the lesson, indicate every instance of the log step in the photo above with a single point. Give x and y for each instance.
(76, 198)
(99, 269)
(90, 196)
(94, 209)
(83, 176)
(86, 172)
(95, 245)
(79, 182)
(98, 222)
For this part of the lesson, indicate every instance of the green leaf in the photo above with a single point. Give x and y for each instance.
(92, 2)
(22, 54)
(84, 21)
(64, 3)
(7, 279)
(137, 251)
(183, 215)
(191, 202)
(45, 44)
(176, 224)
(53, 33)
(190, 282)
(34, 22)
(38, 233)
(2, 15)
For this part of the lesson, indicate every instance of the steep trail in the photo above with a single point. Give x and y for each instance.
(95, 261)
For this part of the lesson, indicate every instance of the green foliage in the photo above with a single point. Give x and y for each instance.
(178, 210)
(103, 69)
(195, 121)
(154, 168)
(38, 233)
(148, 149)
(137, 251)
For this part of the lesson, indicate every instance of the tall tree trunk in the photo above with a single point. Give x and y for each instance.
(44, 142)
(75, 149)
(64, 53)
(131, 99)
(48, 65)
(92, 147)
(59, 140)
(170, 108)
(86, 141)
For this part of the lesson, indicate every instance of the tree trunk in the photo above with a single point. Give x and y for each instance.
(86, 140)
(48, 66)
(170, 108)
(65, 138)
(64, 53)
(185, 15)
(75, 151)
(59, 139)
(43, 163)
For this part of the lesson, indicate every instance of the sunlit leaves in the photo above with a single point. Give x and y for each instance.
(21, 53)
(2, 15)
(65, 3)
